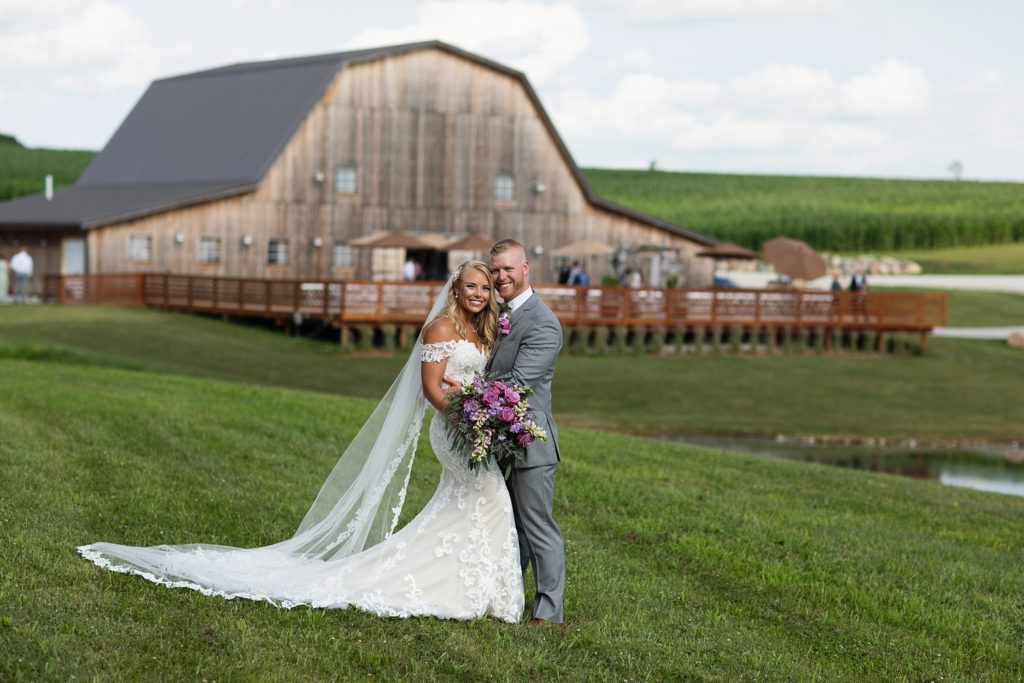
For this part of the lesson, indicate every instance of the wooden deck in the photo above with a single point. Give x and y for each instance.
(407, 303)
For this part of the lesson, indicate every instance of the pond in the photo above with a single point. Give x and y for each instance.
(997, 469)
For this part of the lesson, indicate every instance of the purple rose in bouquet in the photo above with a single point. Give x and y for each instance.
(492, 419)
(524, 439)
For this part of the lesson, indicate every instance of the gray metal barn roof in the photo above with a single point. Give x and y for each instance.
(191, 139)
(223, 125)
(93, 205)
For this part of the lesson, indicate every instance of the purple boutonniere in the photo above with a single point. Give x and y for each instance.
(504, 324)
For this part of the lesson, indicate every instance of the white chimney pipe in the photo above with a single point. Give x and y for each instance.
(49, 187)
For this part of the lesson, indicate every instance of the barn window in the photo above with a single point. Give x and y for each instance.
(343, 255)
(345, 180)
(140, 248)
(277, 252)
(504, 187)
(386, 264)
(209, 250)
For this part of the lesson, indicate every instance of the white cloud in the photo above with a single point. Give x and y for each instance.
(773, 107)
(99, 47)
(664, 10)
(983, 83)
(785, 89)
(266, 6)
(533, 37)
(891, 88)
(20, 10)
(630, 61)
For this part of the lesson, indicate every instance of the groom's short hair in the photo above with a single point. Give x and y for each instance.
(501, 246)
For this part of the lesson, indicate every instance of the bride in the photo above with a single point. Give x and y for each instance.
(457, 559)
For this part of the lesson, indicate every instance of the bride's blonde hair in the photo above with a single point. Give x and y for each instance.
(485, 323)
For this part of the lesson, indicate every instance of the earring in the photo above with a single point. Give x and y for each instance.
(456, 295)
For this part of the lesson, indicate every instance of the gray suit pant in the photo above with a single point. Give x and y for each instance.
(540, 542)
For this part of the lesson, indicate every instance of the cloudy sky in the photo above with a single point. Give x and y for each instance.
(896, 88)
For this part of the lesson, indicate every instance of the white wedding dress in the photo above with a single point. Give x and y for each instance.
(457, 559)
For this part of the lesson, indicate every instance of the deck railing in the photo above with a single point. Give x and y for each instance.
(357, 302)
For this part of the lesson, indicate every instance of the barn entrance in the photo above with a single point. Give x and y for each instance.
(434, 263)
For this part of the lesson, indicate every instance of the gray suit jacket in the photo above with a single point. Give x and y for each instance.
(527, 355)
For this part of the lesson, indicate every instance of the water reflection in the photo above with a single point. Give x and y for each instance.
(1010, 481)
(980, 469)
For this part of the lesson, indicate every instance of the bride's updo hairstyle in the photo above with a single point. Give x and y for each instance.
(486, 321)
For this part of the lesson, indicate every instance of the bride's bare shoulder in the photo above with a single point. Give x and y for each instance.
(438, 330)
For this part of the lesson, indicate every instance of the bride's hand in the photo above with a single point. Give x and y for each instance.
(450, 384)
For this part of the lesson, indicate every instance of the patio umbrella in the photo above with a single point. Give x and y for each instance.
(392, 239)
(472, 242)
(584, 248)
(794, 258)
(729, 250)
(434, 240)
(364, 240)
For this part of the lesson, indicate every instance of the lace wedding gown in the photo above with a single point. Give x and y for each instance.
(457, 559)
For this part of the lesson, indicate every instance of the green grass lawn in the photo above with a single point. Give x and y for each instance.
(683, 563)
(980, 309)
(993, 259)
(957, 390)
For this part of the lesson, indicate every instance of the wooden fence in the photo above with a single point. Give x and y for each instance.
(407, 303)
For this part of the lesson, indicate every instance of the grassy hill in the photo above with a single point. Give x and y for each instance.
(958, 390)
(22, 169)
(683, 563)
(990, 259)
(834, 214)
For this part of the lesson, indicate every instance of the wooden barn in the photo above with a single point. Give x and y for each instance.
(338, 166)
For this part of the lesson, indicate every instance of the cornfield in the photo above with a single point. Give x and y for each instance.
(22, 170)
(832, 214)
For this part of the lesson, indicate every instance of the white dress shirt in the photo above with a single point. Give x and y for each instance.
(520, 300)
(21, 263)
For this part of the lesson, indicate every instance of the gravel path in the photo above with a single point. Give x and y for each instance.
(976, 332)
(978, 283)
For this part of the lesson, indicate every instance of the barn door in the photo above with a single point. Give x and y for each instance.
(72, 256)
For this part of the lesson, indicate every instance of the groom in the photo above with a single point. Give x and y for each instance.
(526, 350)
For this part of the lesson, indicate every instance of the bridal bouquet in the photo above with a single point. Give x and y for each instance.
(492, 418)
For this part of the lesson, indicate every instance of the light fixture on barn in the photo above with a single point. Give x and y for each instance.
(539, 187)
(318, 176)
(246, 240)
(179, 238)
(316, 243)
(538, 249)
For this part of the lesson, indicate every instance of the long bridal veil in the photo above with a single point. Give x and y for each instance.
(357, 507)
